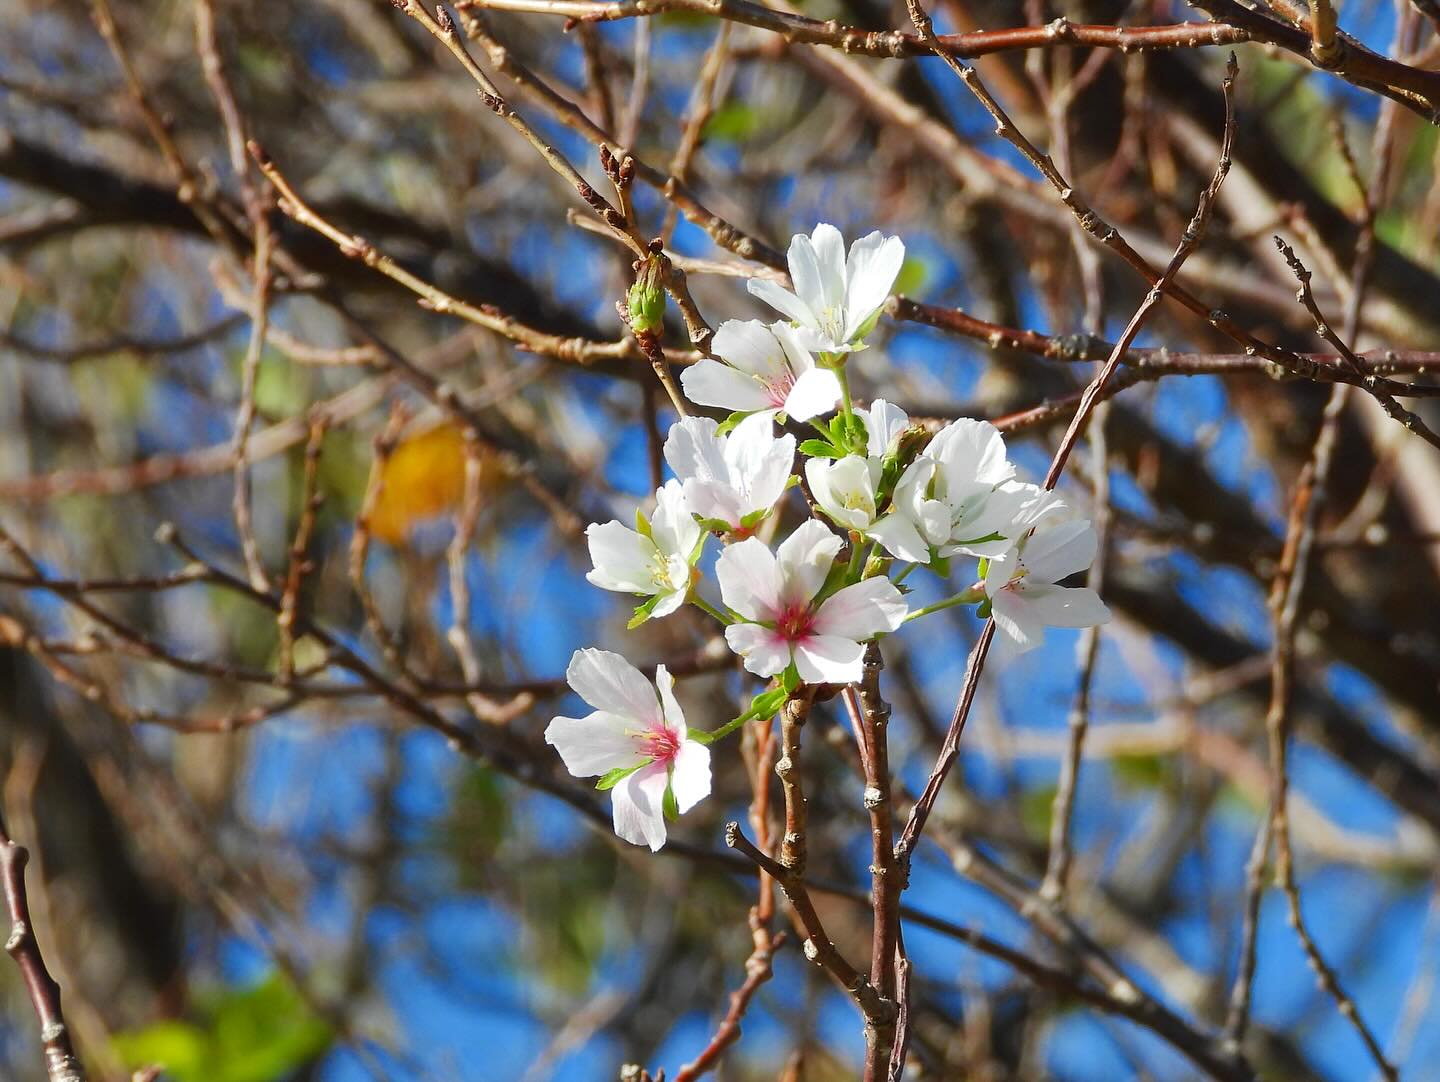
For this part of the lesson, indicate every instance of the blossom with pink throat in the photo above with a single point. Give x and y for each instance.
(766, 369)
(636, 739)
(775, 593)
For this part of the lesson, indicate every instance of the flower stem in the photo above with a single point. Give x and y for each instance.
(966, 597)
(857, 563)
(905, 573)
(705, 606)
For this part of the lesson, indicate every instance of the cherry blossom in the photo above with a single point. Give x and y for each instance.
(775, 593)
(767, 370)
(654, 561)
(733, 479)
(636, 740)
(956, 498)
(1021, 583)
(836, 298)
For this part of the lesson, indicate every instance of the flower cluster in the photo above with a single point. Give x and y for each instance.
(884, 498)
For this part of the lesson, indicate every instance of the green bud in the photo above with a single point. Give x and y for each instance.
(646, 299)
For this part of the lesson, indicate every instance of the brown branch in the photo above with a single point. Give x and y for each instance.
(819, 947)
(61, 1063)
(798, 29)
(871, 714)
(758, 969)
(1162, 361)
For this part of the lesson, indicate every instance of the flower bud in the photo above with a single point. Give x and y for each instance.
(646, 299)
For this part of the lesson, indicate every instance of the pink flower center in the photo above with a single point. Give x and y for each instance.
(660, 744)
(778, 387)
(795, 621)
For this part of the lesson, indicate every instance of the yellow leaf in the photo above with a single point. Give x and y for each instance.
(424, 477)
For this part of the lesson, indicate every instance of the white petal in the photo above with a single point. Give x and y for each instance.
(709, 383)
(669, 602)
(608, 682)
(884, 423)
(843, 489)
(713, 499)
(1021, 629)
(690, 775)
(780, 299)
(899, 537)
(765, 651)
(672, 715)
(816, 391)
(766, 479)
(694, 450)
(862, 610)
(829, 659)
(622, 558)
(750, 346)
(871, 271)
(805, 558)
(593, 745)
(971, 452)
(829, 249)
(1064, 606)
(638, 804)
(1052, 552)
(750, 581)
(673, 526)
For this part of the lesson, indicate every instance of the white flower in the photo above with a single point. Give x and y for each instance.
(736, 478)
(836, 299)
(884, 425)
(633, 730)
(654, 561)
(768, 370)
(958, 497)
(1021, 583)
(776, 591)
(845, 489)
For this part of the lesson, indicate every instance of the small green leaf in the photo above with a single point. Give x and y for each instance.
(642, 613)
(754, 518)
(672, 806)
(790, 678)
(730, 422)
(820, 449)
(616, 776)
(642, 525)
(983, 609)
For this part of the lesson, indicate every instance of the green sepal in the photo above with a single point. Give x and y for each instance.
(614, 777)
(982, 568)
(642, 526)
(672, 806)
(983, 609)
(790, 678)
(820, 449)
(694, 556)
(838, 577)
(939, 564)
(713, 525)
(730, 422)
(768, 703)
(868, 325)
(754, 518)
(642, 613)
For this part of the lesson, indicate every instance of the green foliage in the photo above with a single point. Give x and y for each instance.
(735, 121)
(256, 1034)
(1036, 806)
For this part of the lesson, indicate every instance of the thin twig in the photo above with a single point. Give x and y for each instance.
(61, 1063)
